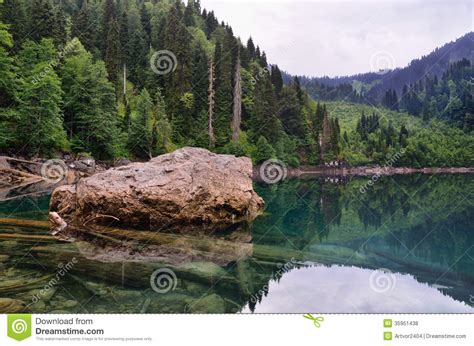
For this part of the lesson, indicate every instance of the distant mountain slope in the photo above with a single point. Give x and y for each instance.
(374, 85)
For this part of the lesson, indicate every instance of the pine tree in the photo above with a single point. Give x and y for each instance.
(162, 131)
(291, 115)
(82, 27)
(7, 70)
(123, 33)
(251, 48)
(8, 90)
(146, 24)
(177, 40)
(277, 79)
(402, 138)
(42, 20)
(223, 87)
(40, 130)
(199, 83)
(189, 14)
(297, 87)
(264, 150)
(264, 121)
(211, 24)
(13, 13)
(112, 55)
(325, 139)
(59, 33)
(90, 118)
(140, 137)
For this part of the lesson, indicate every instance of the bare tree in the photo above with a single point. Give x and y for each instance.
(237, 112)
(211, 92)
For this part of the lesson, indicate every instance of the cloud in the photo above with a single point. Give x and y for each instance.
(332, 38)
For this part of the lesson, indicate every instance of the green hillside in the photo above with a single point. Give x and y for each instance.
(433, 143)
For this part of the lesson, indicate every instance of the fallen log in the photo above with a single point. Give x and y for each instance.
(27, 237)
(35, 283)
(25, 223)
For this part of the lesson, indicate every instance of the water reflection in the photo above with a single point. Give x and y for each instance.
(338, 289)
(334, 237)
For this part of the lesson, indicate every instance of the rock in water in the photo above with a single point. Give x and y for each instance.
(189, 188)
(9, 306)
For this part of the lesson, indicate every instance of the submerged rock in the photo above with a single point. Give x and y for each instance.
(8, 305)
(189, 188)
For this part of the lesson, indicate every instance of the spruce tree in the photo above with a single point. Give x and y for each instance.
(277, 79)
(43, 21)
(8, 90)
(13, 13)
(189, 14)
(82, 27)
(90, 117)
(109, 14)
(59, 33)
(112, 54)
(223, 87)
(40, 129)
(140, 137)
(177, 40)
(251, 48)
(146, 24)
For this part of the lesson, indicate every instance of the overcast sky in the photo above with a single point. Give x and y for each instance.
(317, 38)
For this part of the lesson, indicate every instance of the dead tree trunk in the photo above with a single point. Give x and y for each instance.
(237, 113)
(211, 92)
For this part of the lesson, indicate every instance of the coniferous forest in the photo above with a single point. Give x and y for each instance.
(135, 79)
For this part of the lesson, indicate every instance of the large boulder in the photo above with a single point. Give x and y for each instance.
(189, 188)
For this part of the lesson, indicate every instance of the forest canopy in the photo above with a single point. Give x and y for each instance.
(135, 79)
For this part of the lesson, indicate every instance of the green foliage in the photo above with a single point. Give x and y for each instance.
(8, 90)
(90, 109)
(39, 130)
(101, 96)
(264, 151)
(141, 133)
(425, 144)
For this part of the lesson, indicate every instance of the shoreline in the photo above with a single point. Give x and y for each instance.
(369, 171)
(323, 171)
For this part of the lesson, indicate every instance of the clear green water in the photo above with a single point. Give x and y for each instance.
(406, 245)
